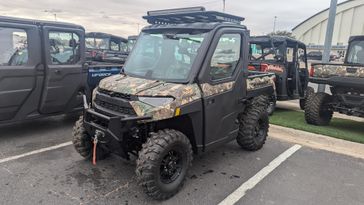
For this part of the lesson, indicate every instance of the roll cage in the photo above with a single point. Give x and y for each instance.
(274, 42)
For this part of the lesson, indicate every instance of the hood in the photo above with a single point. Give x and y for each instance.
(128, 85)
(182, 94)
(143, 87)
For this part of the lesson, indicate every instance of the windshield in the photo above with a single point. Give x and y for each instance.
(264, 51)
(162, 56)
(356, 52)
(97, 43)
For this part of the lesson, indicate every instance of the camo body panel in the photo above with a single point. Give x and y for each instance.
(128, 85)
(182, 94)
(326, 71)
(209, 90)
(260, 82)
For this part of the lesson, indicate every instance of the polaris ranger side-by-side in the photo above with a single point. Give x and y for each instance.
(187, 93)
(43, 70)
(346, 82)
(286, 57)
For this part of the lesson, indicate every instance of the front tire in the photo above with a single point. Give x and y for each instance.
(317, 111)
(163, 163)
(254, 125)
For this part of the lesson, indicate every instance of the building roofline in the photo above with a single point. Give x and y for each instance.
(319, 14)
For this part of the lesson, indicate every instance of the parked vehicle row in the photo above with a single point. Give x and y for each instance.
(195, 79)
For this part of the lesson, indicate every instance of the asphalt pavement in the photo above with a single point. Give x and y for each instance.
(61, 176)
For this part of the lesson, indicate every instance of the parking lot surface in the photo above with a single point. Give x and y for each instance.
(61, 176)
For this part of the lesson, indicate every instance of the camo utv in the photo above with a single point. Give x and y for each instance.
(346, 82)
(185, 89)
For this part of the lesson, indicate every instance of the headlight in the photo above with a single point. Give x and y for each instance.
(156, 101)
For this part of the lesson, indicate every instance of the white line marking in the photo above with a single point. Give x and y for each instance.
(35, 152)
(252, 182)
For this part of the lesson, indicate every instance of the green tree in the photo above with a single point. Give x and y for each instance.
(282, 33)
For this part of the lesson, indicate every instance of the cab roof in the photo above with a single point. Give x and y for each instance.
(39, 22)
(278, 39)
(356, 38)
(105, 35)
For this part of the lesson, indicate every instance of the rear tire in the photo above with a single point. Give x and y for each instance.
(317, 111)
(83, 144)
(254, 125)
(309, 92)
(163, 163)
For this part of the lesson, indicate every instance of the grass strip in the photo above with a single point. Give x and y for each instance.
(339, 128)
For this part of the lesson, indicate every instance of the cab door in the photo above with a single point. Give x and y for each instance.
(65, 77)
(21, 71)
(223, 85)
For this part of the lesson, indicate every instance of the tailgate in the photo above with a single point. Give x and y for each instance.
(338, 74)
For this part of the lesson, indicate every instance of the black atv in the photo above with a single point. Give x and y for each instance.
(287, 58)
(346, 82)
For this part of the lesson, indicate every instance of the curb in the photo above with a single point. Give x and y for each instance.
(317, 141)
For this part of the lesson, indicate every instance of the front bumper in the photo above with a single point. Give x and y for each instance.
(113, 129)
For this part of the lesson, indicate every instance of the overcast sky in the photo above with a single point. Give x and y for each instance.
(123, 17)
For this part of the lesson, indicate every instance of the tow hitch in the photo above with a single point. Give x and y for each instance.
(98, 134)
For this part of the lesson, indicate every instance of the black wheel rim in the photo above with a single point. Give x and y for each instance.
(259, 131)
(271, 107)
(171, 167)
(325, 110)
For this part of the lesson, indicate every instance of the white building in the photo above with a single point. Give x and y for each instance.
(349, 21)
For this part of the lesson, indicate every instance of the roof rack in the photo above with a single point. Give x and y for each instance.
(189, 15)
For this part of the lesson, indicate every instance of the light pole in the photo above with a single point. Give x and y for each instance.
(53, 12)
(223, 5)
(274, 24)
(328, 38)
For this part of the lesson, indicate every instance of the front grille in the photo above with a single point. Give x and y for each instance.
(116, 108)
(115, 94)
